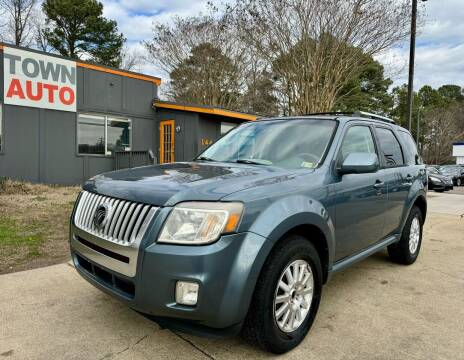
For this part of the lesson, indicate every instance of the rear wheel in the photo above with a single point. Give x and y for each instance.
(407, 249)
(286, 297)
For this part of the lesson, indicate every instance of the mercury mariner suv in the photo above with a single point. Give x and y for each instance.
(243, 237)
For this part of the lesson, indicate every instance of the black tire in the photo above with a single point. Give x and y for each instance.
(458, 182)
(439, 191)
(260, 326)
(400, 252)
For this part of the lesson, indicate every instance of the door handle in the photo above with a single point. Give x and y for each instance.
(378, 184)
(408, 180)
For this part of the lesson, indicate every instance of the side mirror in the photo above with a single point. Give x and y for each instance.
(359, 163)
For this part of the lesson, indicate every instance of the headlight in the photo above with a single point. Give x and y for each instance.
(435, 179)
(200, 222)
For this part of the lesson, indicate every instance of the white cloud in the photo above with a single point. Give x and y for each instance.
(439, 52)
(439, 49)
(135, 19)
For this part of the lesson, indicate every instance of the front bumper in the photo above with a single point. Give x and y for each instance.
(435, 185)
(226, 272)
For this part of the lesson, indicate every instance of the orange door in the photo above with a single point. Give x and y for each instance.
(166, 141)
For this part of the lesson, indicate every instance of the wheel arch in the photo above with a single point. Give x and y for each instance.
(421, 203)
(316, 237)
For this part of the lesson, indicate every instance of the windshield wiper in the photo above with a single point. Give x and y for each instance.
(252, 162)
(204, 158)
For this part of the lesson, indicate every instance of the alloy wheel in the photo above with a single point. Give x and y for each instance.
(414, 235)
(293, 296)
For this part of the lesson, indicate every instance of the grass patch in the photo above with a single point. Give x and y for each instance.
(34, 224)
(15, 237)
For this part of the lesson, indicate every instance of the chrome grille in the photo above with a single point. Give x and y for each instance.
(127, 221)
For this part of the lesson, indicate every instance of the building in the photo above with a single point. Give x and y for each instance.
(458, 152)
(63, 121)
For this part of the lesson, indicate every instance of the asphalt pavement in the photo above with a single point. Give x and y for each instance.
(374, 310)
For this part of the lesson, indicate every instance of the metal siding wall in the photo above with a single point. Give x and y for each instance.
(142, 130)
(208, 129)
(111, 94)
(138, 97)
(40, 144)
(58, 149)
(94, 91)
(1, 76)
(185, 140)
(21, 151)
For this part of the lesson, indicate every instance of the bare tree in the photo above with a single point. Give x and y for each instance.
(176, 48)
(313, 46)
(18, 16)
(132, 59)
(41, 42)
(443, 126)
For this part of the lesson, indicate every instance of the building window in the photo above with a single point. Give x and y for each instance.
(118, 135)
(226, 127)
(102, 135)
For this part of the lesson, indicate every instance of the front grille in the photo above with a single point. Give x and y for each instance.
(103, 251)
(126, 221)
(113, 281)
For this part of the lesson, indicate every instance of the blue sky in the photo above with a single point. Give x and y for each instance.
(440, 44)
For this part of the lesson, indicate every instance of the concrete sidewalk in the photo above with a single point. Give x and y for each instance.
(375, 310)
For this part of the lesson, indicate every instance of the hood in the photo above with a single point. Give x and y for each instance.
(441, 176)
(169, 184)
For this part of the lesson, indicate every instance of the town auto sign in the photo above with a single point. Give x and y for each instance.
(37, 80)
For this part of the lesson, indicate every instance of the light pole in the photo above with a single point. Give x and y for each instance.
(412, 54)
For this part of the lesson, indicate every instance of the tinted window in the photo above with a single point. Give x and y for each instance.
(358, 139)
(390, 147)
(118, 135)
(91, 134)
(101, 134)
(410, 149)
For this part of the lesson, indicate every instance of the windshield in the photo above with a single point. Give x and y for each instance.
(448, 170)
(432, 170)
(290, 143)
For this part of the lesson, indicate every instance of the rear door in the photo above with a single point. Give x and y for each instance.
(360, 199)
(397, 175)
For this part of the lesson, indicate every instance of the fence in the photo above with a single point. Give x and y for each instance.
(130, 159)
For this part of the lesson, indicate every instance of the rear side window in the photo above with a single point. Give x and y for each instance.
(410, 148)
(390, 147)
(358, 139)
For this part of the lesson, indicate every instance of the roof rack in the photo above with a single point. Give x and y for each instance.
(374, 116)
(363, 114)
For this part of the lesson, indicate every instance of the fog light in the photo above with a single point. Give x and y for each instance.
(186, 293)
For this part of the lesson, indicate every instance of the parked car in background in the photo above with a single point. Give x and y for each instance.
(455, 172)
(437, 181)
(244, 236)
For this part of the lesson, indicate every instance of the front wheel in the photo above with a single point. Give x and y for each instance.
(286, 297)
(407, 249)
(458, 182)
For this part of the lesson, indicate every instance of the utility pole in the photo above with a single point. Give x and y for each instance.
(418, 125)
(412, 54)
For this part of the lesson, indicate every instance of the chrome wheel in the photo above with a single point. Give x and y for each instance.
(414, 235)
(293, 296)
